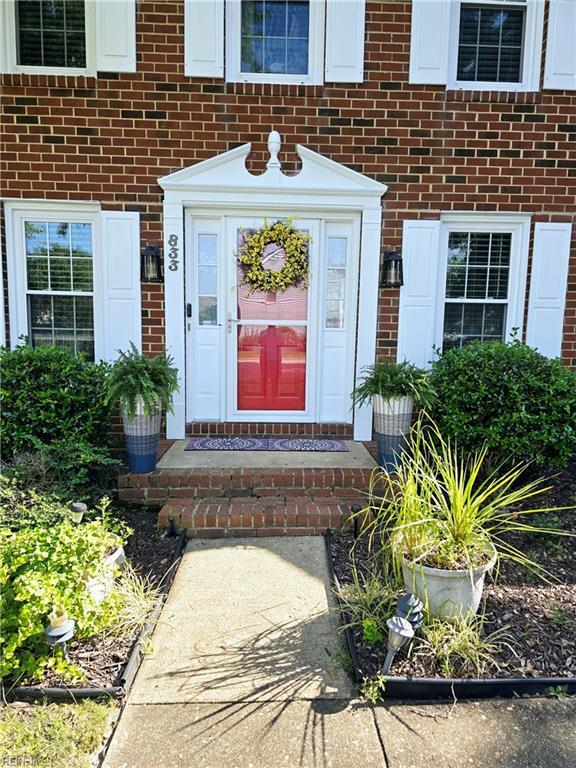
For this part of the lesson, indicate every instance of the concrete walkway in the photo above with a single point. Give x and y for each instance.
(246, 673)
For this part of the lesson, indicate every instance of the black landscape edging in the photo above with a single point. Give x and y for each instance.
(430, 688)
(75, 693)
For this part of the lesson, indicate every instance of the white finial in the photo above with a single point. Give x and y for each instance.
(274, 144)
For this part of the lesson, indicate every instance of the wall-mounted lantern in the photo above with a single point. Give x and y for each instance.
(392, 275)
(150, 266)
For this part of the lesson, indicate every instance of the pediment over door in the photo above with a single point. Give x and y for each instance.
(318, 176)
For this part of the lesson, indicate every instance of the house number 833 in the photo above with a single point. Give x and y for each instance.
(173, 253)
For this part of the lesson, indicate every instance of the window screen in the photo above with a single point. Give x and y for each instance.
(51, 33)
(490, 43)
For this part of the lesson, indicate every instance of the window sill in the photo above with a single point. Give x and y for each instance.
(273, 79)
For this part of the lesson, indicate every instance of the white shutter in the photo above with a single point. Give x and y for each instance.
(430, 41)
(121, 312)
(204, 38)
(548, 287)
(560, 68)
(116, 36)
(418, 295)
(345, 41)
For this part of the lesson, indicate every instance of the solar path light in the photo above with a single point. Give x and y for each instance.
(399, 631)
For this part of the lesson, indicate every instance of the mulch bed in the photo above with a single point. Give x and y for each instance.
(103, 658)
(539, 618)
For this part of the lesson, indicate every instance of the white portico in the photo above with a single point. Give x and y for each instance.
(290, 356)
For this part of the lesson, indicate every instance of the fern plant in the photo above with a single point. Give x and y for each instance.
(389, 379)
(136, 380)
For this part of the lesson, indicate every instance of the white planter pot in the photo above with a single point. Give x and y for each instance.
(448, 595)
(392, 416)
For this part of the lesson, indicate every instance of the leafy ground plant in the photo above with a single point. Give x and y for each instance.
(42, 569)
(373, 689)
(50, 735)
(460, 648)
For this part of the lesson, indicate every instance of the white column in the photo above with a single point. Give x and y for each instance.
(174, 311)
(368, 310)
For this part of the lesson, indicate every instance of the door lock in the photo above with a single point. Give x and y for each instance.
(188, 310)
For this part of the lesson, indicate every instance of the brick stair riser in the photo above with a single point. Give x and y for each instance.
(159, 487)
(217, 518)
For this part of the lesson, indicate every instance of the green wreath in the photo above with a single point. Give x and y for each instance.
(296, 266)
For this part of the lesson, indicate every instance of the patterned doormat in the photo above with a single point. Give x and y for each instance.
(264, 444)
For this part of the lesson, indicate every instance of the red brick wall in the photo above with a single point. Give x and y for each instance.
(110, 138)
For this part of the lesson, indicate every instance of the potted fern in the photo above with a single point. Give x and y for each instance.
(445, 521)
(393, 389)
(142, 387)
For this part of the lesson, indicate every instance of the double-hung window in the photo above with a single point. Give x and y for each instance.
(276, 41)
(51, 33)
(481, 45)
(482, 278)
(73, 276)
(498, 44)
(67, 37)
(60, 284)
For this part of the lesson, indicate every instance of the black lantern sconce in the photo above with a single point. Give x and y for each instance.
(150, 266)
(392, 274)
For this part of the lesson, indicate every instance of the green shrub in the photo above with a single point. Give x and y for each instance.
(40, 569)
(20, 508)
(48, 393)
(521, 404)
(71, 469)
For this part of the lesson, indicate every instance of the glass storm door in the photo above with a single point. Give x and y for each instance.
(271, 337)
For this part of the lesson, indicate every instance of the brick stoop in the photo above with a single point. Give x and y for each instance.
(217, 503)
(165, 484)
(220, 517)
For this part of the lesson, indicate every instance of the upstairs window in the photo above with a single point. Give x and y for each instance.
(498, 44)
(275, 37)
(480, 45)
(275, 41)
(490, 44)
(51, 33)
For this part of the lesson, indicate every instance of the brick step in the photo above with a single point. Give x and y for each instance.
(218, 517)
(164, 484)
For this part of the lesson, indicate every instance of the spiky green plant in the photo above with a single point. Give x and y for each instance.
(443, 510)
(367, 598)
(136, 378)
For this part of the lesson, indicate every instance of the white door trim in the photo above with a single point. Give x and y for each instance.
(223, 183)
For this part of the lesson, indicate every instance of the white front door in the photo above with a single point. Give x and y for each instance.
(270, 357)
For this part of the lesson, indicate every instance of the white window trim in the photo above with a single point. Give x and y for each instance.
(11, 48)
(532, 51)
(519, 227)
(16, 213)
(316, 45)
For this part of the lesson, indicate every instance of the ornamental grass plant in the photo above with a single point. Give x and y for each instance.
(442, 510)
